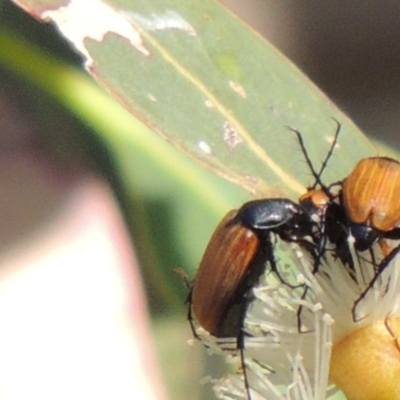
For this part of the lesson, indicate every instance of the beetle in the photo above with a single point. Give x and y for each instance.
(323, 207)
(367, 202)
(366, 206)
(235, 258)
(241, 247)
(370, 196)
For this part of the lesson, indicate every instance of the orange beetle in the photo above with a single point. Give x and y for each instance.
(371, 193)
(367, 206)
(370, 197)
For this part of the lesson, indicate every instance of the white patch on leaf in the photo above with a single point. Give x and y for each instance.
(80, 20)
(205, 147)
(209, 104)
(231, 135)
(238, 88)
(167, 20)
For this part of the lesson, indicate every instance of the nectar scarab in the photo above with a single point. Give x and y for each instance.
(370, 196)
(324, 209)
(242, 249)
(237, 254)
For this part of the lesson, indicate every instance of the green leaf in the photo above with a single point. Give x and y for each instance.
(205, 81)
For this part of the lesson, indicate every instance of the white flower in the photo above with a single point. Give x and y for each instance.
(296, 341)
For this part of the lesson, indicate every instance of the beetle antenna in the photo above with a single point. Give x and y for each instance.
(307, 158)
(330, 152)
(315, 174)
(381, 267)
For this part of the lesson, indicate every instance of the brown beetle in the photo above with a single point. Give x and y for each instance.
(370, 196)
(227, 270)
(371, 193)
(241, 248)
(226, 261)
(367, 207)
(235, 258)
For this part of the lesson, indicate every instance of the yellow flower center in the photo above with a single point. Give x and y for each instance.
(365, 365)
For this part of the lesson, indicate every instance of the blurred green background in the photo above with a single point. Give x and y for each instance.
(157, 187)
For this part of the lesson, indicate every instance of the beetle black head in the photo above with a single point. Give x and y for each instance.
(280, 216)
(364, 235)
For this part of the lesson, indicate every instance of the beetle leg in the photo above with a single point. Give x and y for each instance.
(321, 244)
(240, 346)
(299, 311)
(381, 267)
(272, 262)
(189, 314)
